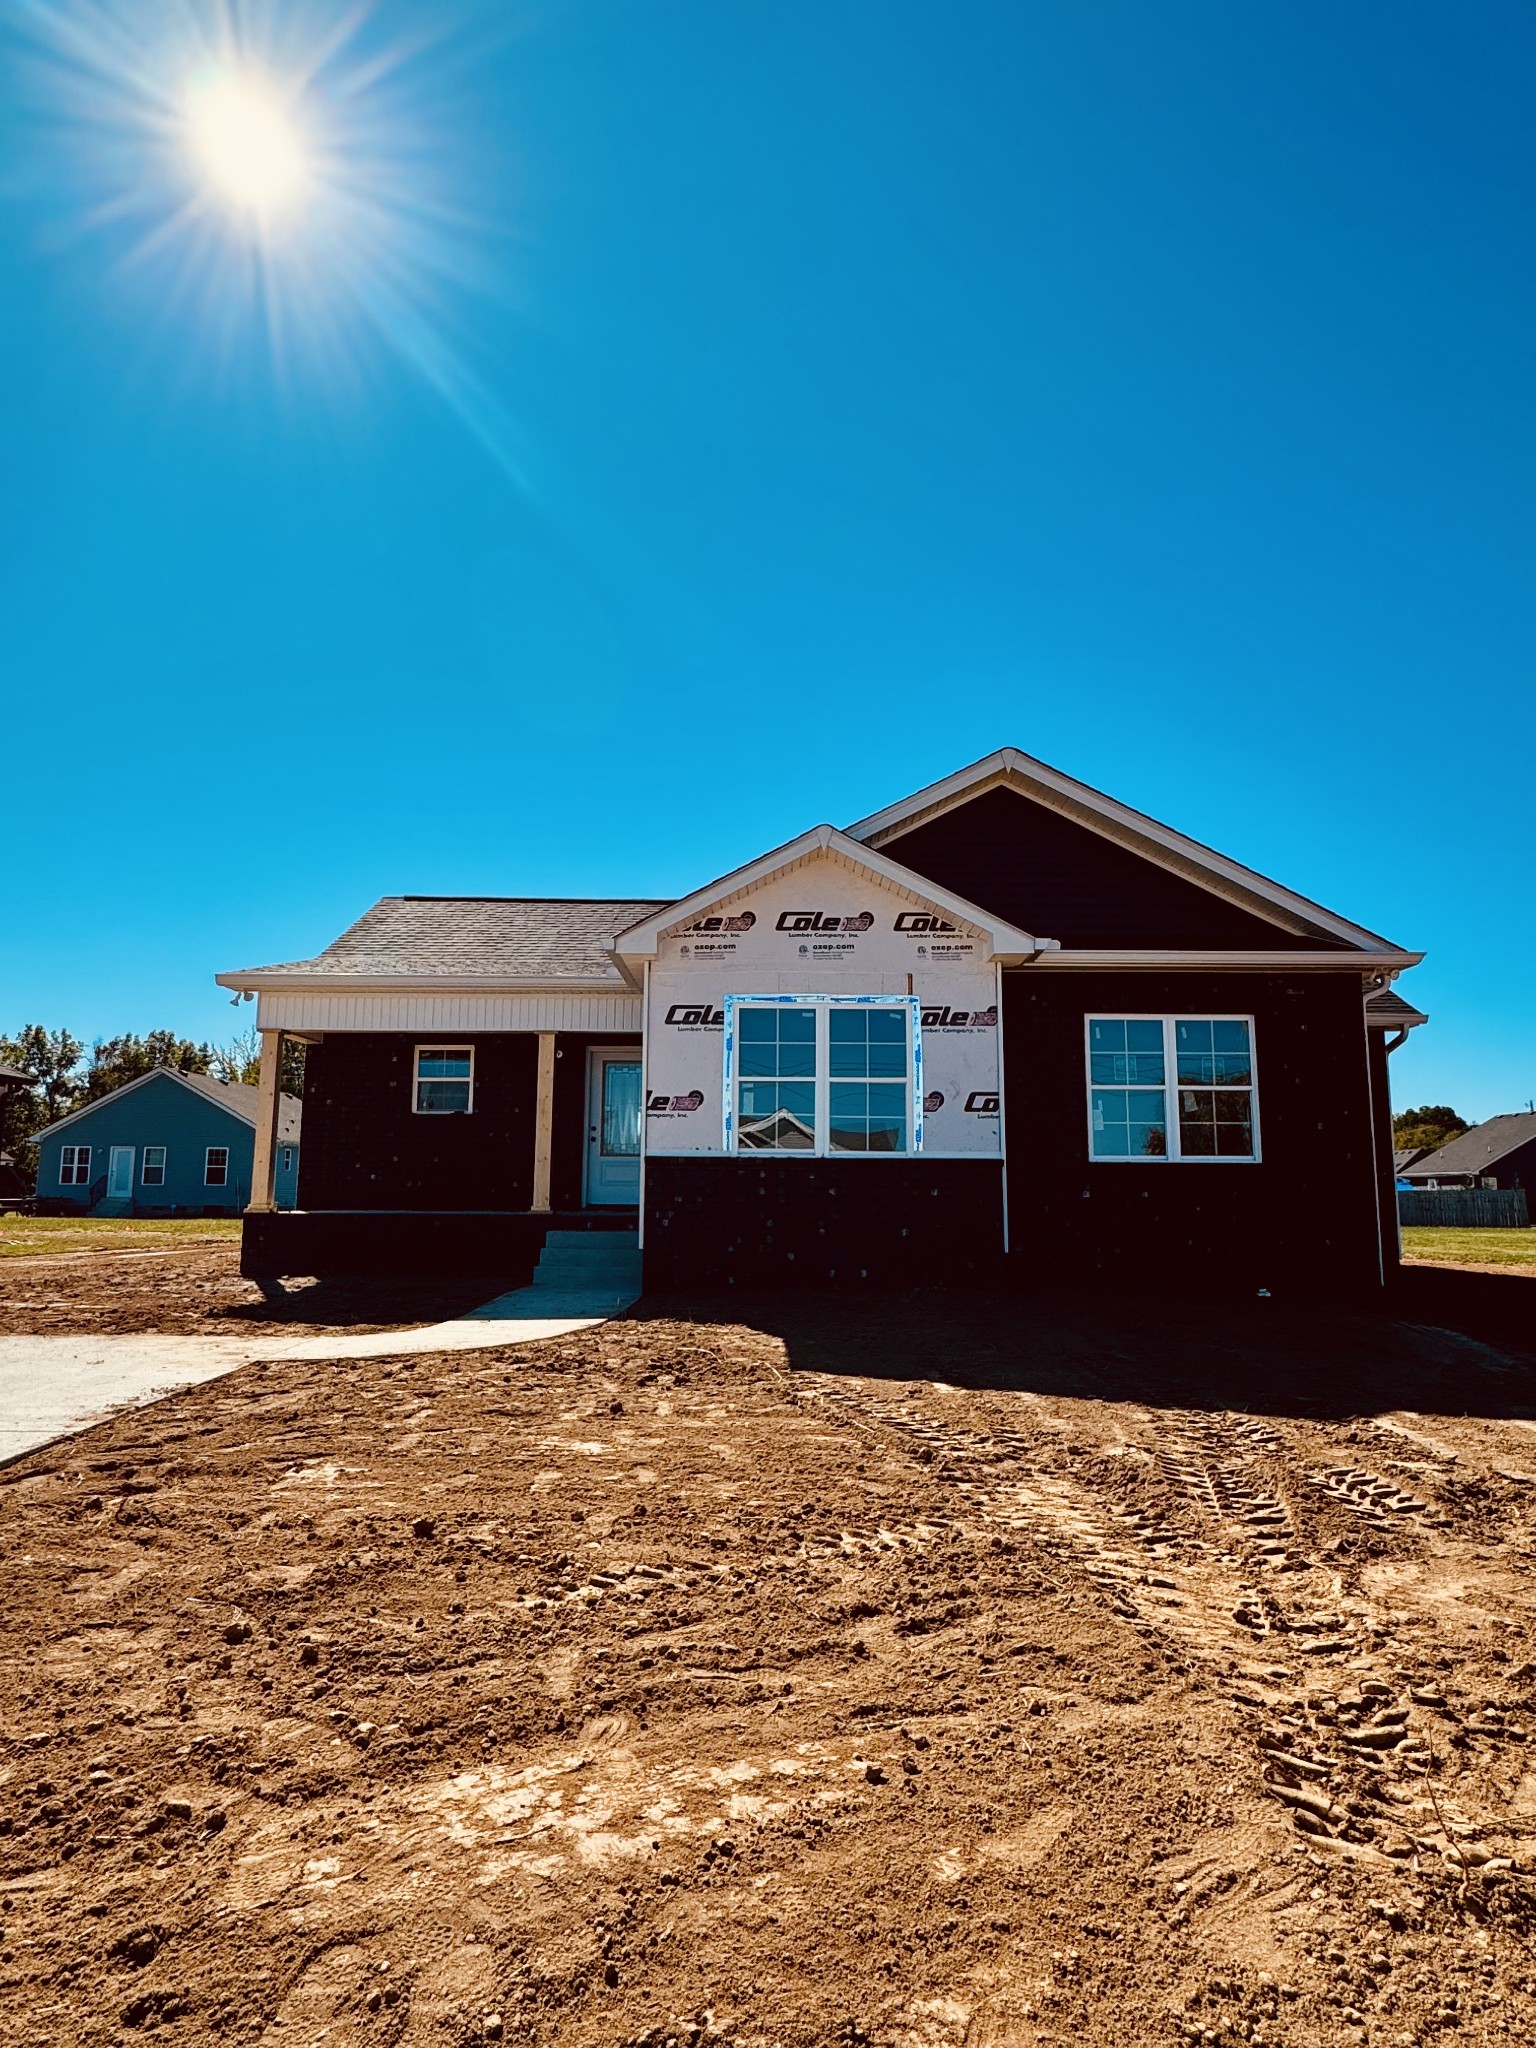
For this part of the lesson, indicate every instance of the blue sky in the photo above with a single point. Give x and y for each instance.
(736, 416)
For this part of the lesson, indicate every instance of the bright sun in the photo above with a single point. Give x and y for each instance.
(247, 146)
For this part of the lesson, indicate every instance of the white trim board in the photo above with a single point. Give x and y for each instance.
(1009, 768)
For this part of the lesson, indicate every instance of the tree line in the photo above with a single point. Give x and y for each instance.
(1427, 1128)
(66, 1075)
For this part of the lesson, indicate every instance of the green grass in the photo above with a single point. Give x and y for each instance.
(1471, 1247)
(38, 1236)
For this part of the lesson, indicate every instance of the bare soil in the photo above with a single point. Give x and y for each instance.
(920, 1673)
(198, 1290)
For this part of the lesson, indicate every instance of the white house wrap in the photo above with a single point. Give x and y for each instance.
(825, 927)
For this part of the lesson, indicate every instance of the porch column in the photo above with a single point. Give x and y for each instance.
(269, 1099)
(544, 1121)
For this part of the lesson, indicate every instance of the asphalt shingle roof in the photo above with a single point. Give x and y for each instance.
(522, 937)
(1476, 1150)
(1387, 1006)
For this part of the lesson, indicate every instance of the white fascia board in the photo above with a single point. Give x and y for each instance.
(265, 981)
(1010, 768)
(154, 1074)
(640, 941)
(1236, 962)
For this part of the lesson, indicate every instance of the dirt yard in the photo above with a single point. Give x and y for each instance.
(917, 1675)
(199, 1291)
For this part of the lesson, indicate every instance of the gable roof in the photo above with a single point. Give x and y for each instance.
(476, 941)
(1483, 1146)
(235, 1098)
(1005, 941)
(1009, 768)
(13, 1077)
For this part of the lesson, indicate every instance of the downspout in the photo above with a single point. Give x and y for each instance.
(1370, 1100)
(645, 1091)
(1002, 1104)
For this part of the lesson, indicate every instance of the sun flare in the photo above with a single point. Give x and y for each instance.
(246, 145)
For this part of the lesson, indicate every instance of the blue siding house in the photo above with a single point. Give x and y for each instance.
(168, 1144)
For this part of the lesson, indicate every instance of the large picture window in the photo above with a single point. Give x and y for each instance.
(823, 1075)
(1172, 1088)
(445, 1080)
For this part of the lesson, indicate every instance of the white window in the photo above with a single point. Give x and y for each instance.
(823, 1075)
(1172, 1088)
(216, 1167)
(445, 1080)
(74, 1166)
(152, 1173)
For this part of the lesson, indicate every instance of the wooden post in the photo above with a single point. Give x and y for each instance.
(269, 1101)
(544, 1121)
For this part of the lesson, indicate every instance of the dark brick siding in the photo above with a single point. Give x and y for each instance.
(1305, 1217)
(364, 1148)
(815, 1222)
(1061, 881)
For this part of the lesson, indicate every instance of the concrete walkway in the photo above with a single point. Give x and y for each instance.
(52, 1387)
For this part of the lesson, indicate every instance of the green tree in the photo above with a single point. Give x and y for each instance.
(1435, 1124)
(52, 1058)
(116, 1061)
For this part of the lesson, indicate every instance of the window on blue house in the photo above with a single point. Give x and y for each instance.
(216, 1167)
(74, 1166)
(445, 1080)
(153, 1173)
(1172, 1088)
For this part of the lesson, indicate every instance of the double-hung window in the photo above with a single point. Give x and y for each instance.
(152, 1171)
(216, 1167)
(74, 1166)
(823, 1075)
(445, 1080)
(1172, 1088)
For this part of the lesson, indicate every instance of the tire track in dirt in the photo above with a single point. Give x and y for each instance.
(1353, 1760)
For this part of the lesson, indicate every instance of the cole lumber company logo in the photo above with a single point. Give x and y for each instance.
(925, 924)
(675, 1105)
(696, 1017)
(982, 1102)
(712, 927)
(940, 1017)
(803, 921)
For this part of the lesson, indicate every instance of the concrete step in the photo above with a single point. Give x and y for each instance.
(592, 1241)
(113, 1205)
(617, 1279)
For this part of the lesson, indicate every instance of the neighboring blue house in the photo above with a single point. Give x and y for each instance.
(168, 1144)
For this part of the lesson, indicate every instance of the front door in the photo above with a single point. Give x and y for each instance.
(120, 1173)
(613, 1128)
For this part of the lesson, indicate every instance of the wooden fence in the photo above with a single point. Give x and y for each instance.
(1464, 1208)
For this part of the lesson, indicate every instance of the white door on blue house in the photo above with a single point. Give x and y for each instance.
(120, 1173)
(614, 1113)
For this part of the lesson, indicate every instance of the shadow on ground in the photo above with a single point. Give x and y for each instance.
(1264, 1356)
(354, 1303)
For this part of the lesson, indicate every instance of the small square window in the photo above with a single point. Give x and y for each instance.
(445, 1080)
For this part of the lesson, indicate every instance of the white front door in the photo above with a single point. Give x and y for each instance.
(614, 1117)
(120, 1173)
